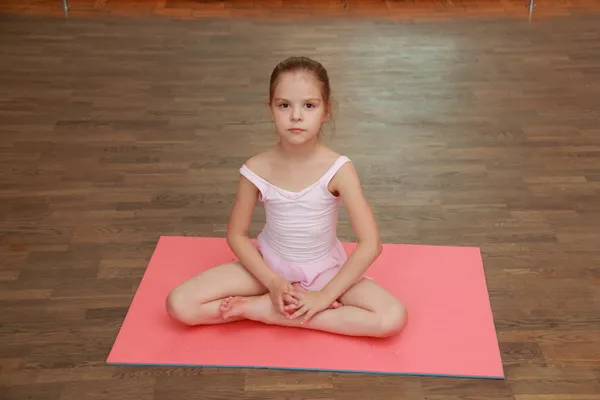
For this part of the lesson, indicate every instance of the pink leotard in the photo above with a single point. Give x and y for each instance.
(299, 240)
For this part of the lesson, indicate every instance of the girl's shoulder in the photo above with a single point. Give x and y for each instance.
(261, 163)
(327, 156)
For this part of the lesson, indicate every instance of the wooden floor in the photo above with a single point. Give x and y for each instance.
(115, 131)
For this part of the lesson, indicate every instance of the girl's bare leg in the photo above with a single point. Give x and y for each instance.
(198, 300)
(367, 310)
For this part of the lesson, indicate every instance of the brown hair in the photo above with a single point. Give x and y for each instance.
(304, 64)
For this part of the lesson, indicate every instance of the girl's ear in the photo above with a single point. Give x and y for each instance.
(328, 110)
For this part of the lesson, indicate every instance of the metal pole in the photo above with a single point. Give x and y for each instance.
(531, 7)
(65, 5)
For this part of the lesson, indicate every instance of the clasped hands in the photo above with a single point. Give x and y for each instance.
(294, 301)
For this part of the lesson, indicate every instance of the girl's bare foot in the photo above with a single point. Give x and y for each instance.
(233, 306)
(256, 308)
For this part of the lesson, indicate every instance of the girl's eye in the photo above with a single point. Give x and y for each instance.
(286, 105)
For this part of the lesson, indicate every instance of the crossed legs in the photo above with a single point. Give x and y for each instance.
(229, 293)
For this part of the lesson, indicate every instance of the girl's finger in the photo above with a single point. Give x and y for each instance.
(290, 299)
(288, 296)
(292, 291)
(280, 303)
(297, 295)
(299, 312)
(308, 316)
(291, 307)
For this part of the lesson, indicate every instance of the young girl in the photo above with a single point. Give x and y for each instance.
(297, 273)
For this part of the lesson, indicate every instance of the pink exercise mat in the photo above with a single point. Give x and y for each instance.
(450, 331)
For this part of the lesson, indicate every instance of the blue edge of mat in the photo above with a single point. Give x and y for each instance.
(307, 369)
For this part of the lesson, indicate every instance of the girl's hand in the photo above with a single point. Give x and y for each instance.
(310, 303)
(289, 302)
(292, 303)
(281, 291)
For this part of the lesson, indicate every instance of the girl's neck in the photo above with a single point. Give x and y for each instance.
(300, 152)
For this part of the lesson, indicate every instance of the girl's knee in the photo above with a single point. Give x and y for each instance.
(178, 307)
(393, 319)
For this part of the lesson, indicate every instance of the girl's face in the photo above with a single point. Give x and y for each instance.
(298, 108)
